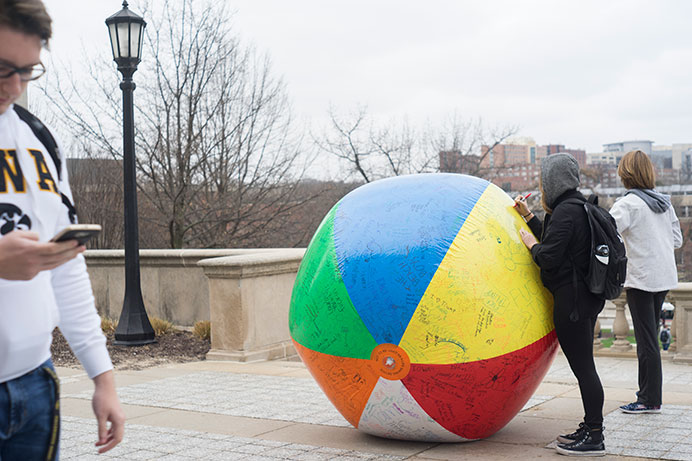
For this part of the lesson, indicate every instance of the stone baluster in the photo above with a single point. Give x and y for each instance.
(621, 328)
(673, 334)
(596, 332)
(682, 322)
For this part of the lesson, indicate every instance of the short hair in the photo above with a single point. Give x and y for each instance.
(636, 171)
(27, 16)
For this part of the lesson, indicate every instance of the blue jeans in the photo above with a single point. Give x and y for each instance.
(29, 416)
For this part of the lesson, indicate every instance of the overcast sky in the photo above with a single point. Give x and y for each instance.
(580, 73)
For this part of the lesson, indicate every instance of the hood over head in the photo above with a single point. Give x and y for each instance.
(559, 173)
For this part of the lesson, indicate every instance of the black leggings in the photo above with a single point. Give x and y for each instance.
(576, 341)
(645, 308)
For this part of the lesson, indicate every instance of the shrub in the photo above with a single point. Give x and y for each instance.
(202, 329)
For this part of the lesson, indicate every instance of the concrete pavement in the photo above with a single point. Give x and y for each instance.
(269, 411)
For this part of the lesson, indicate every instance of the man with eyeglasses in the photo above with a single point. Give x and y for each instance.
(42, 284)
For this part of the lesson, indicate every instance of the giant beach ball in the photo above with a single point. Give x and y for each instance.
(419, 311)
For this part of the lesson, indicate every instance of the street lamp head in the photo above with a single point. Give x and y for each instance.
(126, 33)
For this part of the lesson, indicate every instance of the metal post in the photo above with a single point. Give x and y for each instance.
(134, 328)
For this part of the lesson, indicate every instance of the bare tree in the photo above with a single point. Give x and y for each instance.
(375, 151)
(348, 138)
(468, 143)
(97, 188)
(591, 176)
(216, 156)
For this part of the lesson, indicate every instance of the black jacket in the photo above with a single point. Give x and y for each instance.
(565, 237)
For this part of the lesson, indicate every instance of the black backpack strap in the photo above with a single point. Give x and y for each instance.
(44, 135)
(574, 315)
(71, 210)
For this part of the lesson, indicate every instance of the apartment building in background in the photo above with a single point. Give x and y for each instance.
(515, 164)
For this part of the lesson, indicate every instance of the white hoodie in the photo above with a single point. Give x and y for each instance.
(30, 310)
(649, 239)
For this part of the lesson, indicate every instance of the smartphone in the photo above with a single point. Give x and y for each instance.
(79, 232)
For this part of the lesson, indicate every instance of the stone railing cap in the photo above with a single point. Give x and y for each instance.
(254, 264)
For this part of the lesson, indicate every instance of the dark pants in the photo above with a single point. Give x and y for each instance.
(645, 308)
(576, 341)
(29, 418)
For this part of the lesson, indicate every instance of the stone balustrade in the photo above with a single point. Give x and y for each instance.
(249, 299)
(681, 328)
(174, 288)
(246, 294)
(681, 298)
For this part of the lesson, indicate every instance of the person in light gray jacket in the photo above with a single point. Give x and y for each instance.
(651, 231)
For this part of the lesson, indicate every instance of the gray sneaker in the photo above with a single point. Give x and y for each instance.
(638, 407)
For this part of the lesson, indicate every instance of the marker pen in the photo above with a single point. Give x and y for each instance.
(524, 199)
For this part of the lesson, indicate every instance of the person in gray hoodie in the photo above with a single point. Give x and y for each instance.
(563, 255)
(651, 231)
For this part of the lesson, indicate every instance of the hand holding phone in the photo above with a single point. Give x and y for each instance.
(79, 232)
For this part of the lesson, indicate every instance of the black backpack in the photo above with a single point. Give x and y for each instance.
(608, 260)
(46, 137)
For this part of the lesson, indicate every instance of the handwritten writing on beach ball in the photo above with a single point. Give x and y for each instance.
(420, 313)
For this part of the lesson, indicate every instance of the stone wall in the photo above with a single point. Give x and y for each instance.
(249, 298)
(246, 294)
(174, 287)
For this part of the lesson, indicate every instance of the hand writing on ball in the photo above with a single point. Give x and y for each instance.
(528, 238)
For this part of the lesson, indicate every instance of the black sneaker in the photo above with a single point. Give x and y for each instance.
(576, 435)
(591, 444)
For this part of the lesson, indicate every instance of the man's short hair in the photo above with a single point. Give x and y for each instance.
(27, 16)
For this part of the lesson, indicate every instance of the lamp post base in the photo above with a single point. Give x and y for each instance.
(133, 342)
(134, 328)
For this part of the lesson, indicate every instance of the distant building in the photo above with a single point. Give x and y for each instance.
(681, 157)
(524, 151)
(603, 158)
(517, 178)
(626, 146)
(578, 154)
(452, 161)
(662, 156)
(673, 162)
(505, 155)
(613, 152)
(516, 164)
(605, 175)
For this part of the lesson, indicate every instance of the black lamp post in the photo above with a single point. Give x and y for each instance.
(126, 32)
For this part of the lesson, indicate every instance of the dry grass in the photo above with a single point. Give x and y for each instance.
(108, 325)
(202, 329)
(161, 326)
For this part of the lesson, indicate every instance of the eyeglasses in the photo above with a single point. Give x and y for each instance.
(26, 74)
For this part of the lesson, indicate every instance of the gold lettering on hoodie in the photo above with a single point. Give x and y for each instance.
(11, 171)
(45, 179)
